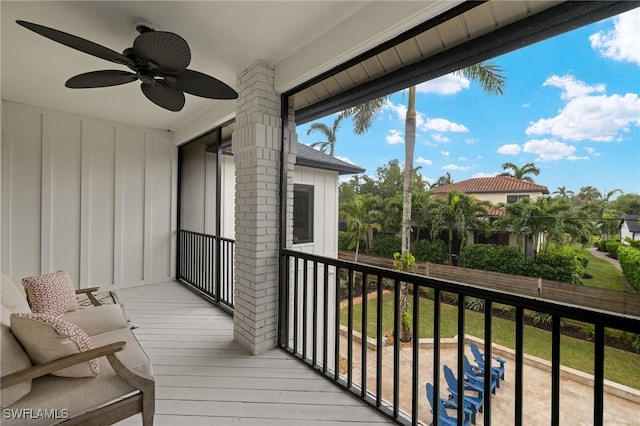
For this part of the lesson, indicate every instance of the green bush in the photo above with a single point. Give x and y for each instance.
(612, 248)
(489, 257)
(560, 264)
(386, 245)
(555, 264)
(602, 245)
(430, 251)
(629, 258)
(635, 344)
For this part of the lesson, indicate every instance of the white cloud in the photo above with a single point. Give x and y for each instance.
(526, 105)
(345, 159)
(510, 149)
(572, 88)
(549, 150)
(590, 150)
(394, 137)
(430, 124)
(424, 161)
(482, 175)
(449, 84)
(620, 43)
(462, 158)
(442, 125)
(597, 118)
(437, 137)
(445, 153)
(455, 167)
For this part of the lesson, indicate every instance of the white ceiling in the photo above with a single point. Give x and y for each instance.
(299, 38)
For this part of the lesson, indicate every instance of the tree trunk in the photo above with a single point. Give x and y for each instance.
(409, 144)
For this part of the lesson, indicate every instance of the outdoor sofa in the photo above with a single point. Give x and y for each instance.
(65, 364)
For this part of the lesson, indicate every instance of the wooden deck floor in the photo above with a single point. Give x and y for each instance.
(203, 377)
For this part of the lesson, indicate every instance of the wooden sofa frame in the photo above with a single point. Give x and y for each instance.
(141, 402)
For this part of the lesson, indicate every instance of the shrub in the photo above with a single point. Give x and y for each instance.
(474, 304)
(612, 248)
(635, 344)
(386, 245)
(629, 258)
(540, 318)
(493, 258)
(560, 264)
(632, 243)
(430, 251)
(602, 245)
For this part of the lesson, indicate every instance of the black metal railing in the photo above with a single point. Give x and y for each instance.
(321, 326)
(205, 263)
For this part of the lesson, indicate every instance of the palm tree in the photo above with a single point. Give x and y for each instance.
(457, 213)
(361, 217)
(443, 180)
(563, 192)
(328, 132)
(520, 173)
(489, 76)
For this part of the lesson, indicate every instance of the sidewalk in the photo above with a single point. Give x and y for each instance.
(602, 255)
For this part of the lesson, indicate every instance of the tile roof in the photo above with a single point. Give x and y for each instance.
(492, 184)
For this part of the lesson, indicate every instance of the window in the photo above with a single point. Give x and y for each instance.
(302, 214)
(514, 198)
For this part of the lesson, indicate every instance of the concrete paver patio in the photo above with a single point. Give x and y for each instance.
(621, 403)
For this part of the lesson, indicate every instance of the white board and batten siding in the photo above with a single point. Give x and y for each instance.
(325, 210)
(198, 192)
(92, 197)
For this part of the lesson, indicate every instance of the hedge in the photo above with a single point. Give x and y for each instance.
(612, 248)
(556, 264)
(629, 258)
(430, 251)
(386, 245)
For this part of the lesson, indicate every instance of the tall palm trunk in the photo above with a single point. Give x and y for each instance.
(409, 145)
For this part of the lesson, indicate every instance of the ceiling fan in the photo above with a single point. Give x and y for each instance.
(158, 59)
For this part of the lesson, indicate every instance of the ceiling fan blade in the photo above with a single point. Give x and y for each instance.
(203, 85)
(78, 43)
(164, 95)
(168, 51)
(104, 78)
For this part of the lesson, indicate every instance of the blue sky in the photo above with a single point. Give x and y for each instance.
(571, 106)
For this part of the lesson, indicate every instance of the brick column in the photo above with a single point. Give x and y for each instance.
(256, 149)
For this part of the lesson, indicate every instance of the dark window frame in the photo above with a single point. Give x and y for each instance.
(517, 197)
(303, 219)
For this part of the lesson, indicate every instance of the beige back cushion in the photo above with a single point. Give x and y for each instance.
(13, 297)
(47, 338)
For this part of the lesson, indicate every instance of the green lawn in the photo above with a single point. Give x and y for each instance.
(603, 274)
(620, 366)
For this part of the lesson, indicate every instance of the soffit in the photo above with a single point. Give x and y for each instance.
(442, 36)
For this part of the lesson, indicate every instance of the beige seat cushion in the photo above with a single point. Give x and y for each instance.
(98, 319)
(14, 358)
(78, 395)
(47, 338)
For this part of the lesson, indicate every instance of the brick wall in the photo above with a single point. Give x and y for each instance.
(257, 149)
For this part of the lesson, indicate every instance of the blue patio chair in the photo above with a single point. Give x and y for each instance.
(474, 379)
(444, 417)
(474, 403)
(479, 359)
